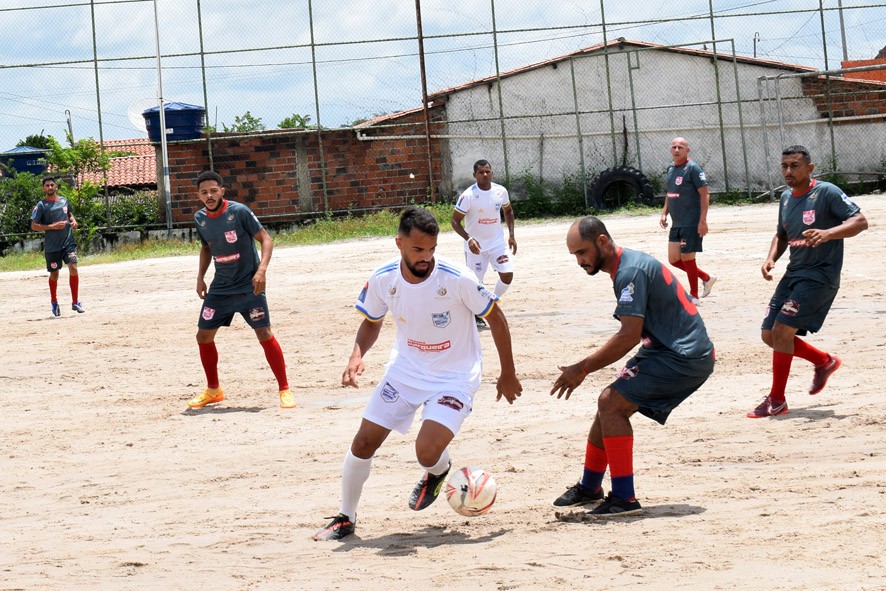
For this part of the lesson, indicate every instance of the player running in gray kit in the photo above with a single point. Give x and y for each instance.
(53, 216)
(813, 219)
(674, 359)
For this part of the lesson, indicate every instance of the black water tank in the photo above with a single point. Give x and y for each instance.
(183, 121)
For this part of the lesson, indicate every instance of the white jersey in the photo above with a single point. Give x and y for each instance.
(482, 211)
(437, 341)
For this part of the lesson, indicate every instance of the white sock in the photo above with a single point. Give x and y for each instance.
(501, 287)
(353, 476)
(440, 466)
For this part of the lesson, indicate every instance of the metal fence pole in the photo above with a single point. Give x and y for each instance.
(608, 83)
(827, 87)
(744, 146)
(317, 110)
(98, 105)
(501, 114)
(203, 78)
(716, 63)
(424, 101)
(581, 149)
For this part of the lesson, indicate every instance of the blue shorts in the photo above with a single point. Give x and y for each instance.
(800, 303)
(55, 258)
(657, 380)
(688, 238)
(219, 310)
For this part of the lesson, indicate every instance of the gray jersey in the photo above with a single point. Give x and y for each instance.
(684, 200)
(230, 235)
(48, 212)
(646, 288)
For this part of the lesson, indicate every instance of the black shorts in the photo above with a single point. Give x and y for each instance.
(219, 310)
(800, 303)
(54, 259)
(688, 238)
(657, 380)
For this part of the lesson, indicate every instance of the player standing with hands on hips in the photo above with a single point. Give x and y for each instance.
(53, 216)
(227, 230)
(813, 219)
(435, 363)
(675, 358)
(480, 207)
(687, 201)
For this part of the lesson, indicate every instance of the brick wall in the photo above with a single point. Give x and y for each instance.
(279, 173)
(848, 98)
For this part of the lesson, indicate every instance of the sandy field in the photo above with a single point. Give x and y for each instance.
(111, 482)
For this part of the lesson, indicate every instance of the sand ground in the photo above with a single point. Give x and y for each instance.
(112, 483)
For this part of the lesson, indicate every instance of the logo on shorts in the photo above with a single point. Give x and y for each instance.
(451, 401)
(53, 265)
(208, 313)
(441, 319)
(231, 236)
(627, 373)
(477, 266)
(502, 259)
(389, 393)
(809, 217)
(678, 181)
(627, 294)
(256, 314)
(790, 307)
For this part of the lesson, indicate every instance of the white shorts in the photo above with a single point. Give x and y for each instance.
(393, 406)
(500, 259)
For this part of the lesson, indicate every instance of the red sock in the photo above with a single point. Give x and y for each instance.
(53, 290)
(274, 355)
(75, 288)
(804, 350)
(692, 274)
(781, 369)
(701, 274)
(595, 467)
(680, 265)
(620, 453)
(209, 359)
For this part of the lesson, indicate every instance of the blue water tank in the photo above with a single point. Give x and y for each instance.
(25, 159)
(183, 121)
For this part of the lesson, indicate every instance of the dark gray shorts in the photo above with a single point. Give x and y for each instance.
(657, 380)
(219, 310)
(688, 238)
(800, 303)
(55, 258)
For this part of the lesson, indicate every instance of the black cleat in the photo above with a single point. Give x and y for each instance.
(340, 526)
(427, 490)
(577, 495)
(481, 324)
(614, 506)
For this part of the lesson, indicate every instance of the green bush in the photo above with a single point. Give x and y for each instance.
(138, 210)
(18, 196)
(531, 197)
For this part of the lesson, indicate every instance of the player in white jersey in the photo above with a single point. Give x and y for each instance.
(435, 362)
(479, 207)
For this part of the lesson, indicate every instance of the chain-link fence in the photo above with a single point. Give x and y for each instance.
(518, 86)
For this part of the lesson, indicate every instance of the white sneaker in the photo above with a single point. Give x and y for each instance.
(707, 286)
(695, 300)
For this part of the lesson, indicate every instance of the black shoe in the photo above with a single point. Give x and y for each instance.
(340, 526)
(481, 324)
(577, 495)
(613, 506)
(427, 490)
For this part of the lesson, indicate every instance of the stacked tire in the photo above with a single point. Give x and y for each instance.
(618, 186)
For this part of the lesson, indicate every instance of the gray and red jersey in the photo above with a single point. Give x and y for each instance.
(823, 206)
(646, 288)
(230, 235)
(48, 212)
(684, 200)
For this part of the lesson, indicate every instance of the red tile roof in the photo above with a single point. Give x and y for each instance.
(129, 171)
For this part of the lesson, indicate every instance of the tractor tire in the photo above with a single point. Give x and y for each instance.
(618, 186)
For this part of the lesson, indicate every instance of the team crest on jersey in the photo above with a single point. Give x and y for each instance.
(627, 294)
(256, 314)
(441, 291)
(208, 313)
(451, 401)
(389, 393)
(790, 307)
(627, 373)
(231, 217)
(702, 176)
(678, 181)
(231, 236)
(809, 217)
(392, 290)
(441, 319)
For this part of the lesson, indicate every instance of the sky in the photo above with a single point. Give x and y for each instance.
(258, 58)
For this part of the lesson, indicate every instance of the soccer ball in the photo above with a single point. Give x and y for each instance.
(471, 491)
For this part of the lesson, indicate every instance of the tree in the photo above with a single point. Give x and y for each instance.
(295, 121)
(244, 124)
(84, 155)
(35, 141)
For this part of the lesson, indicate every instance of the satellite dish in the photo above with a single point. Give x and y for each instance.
(135, 110)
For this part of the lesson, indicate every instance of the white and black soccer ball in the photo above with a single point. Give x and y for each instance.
(471, 491)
